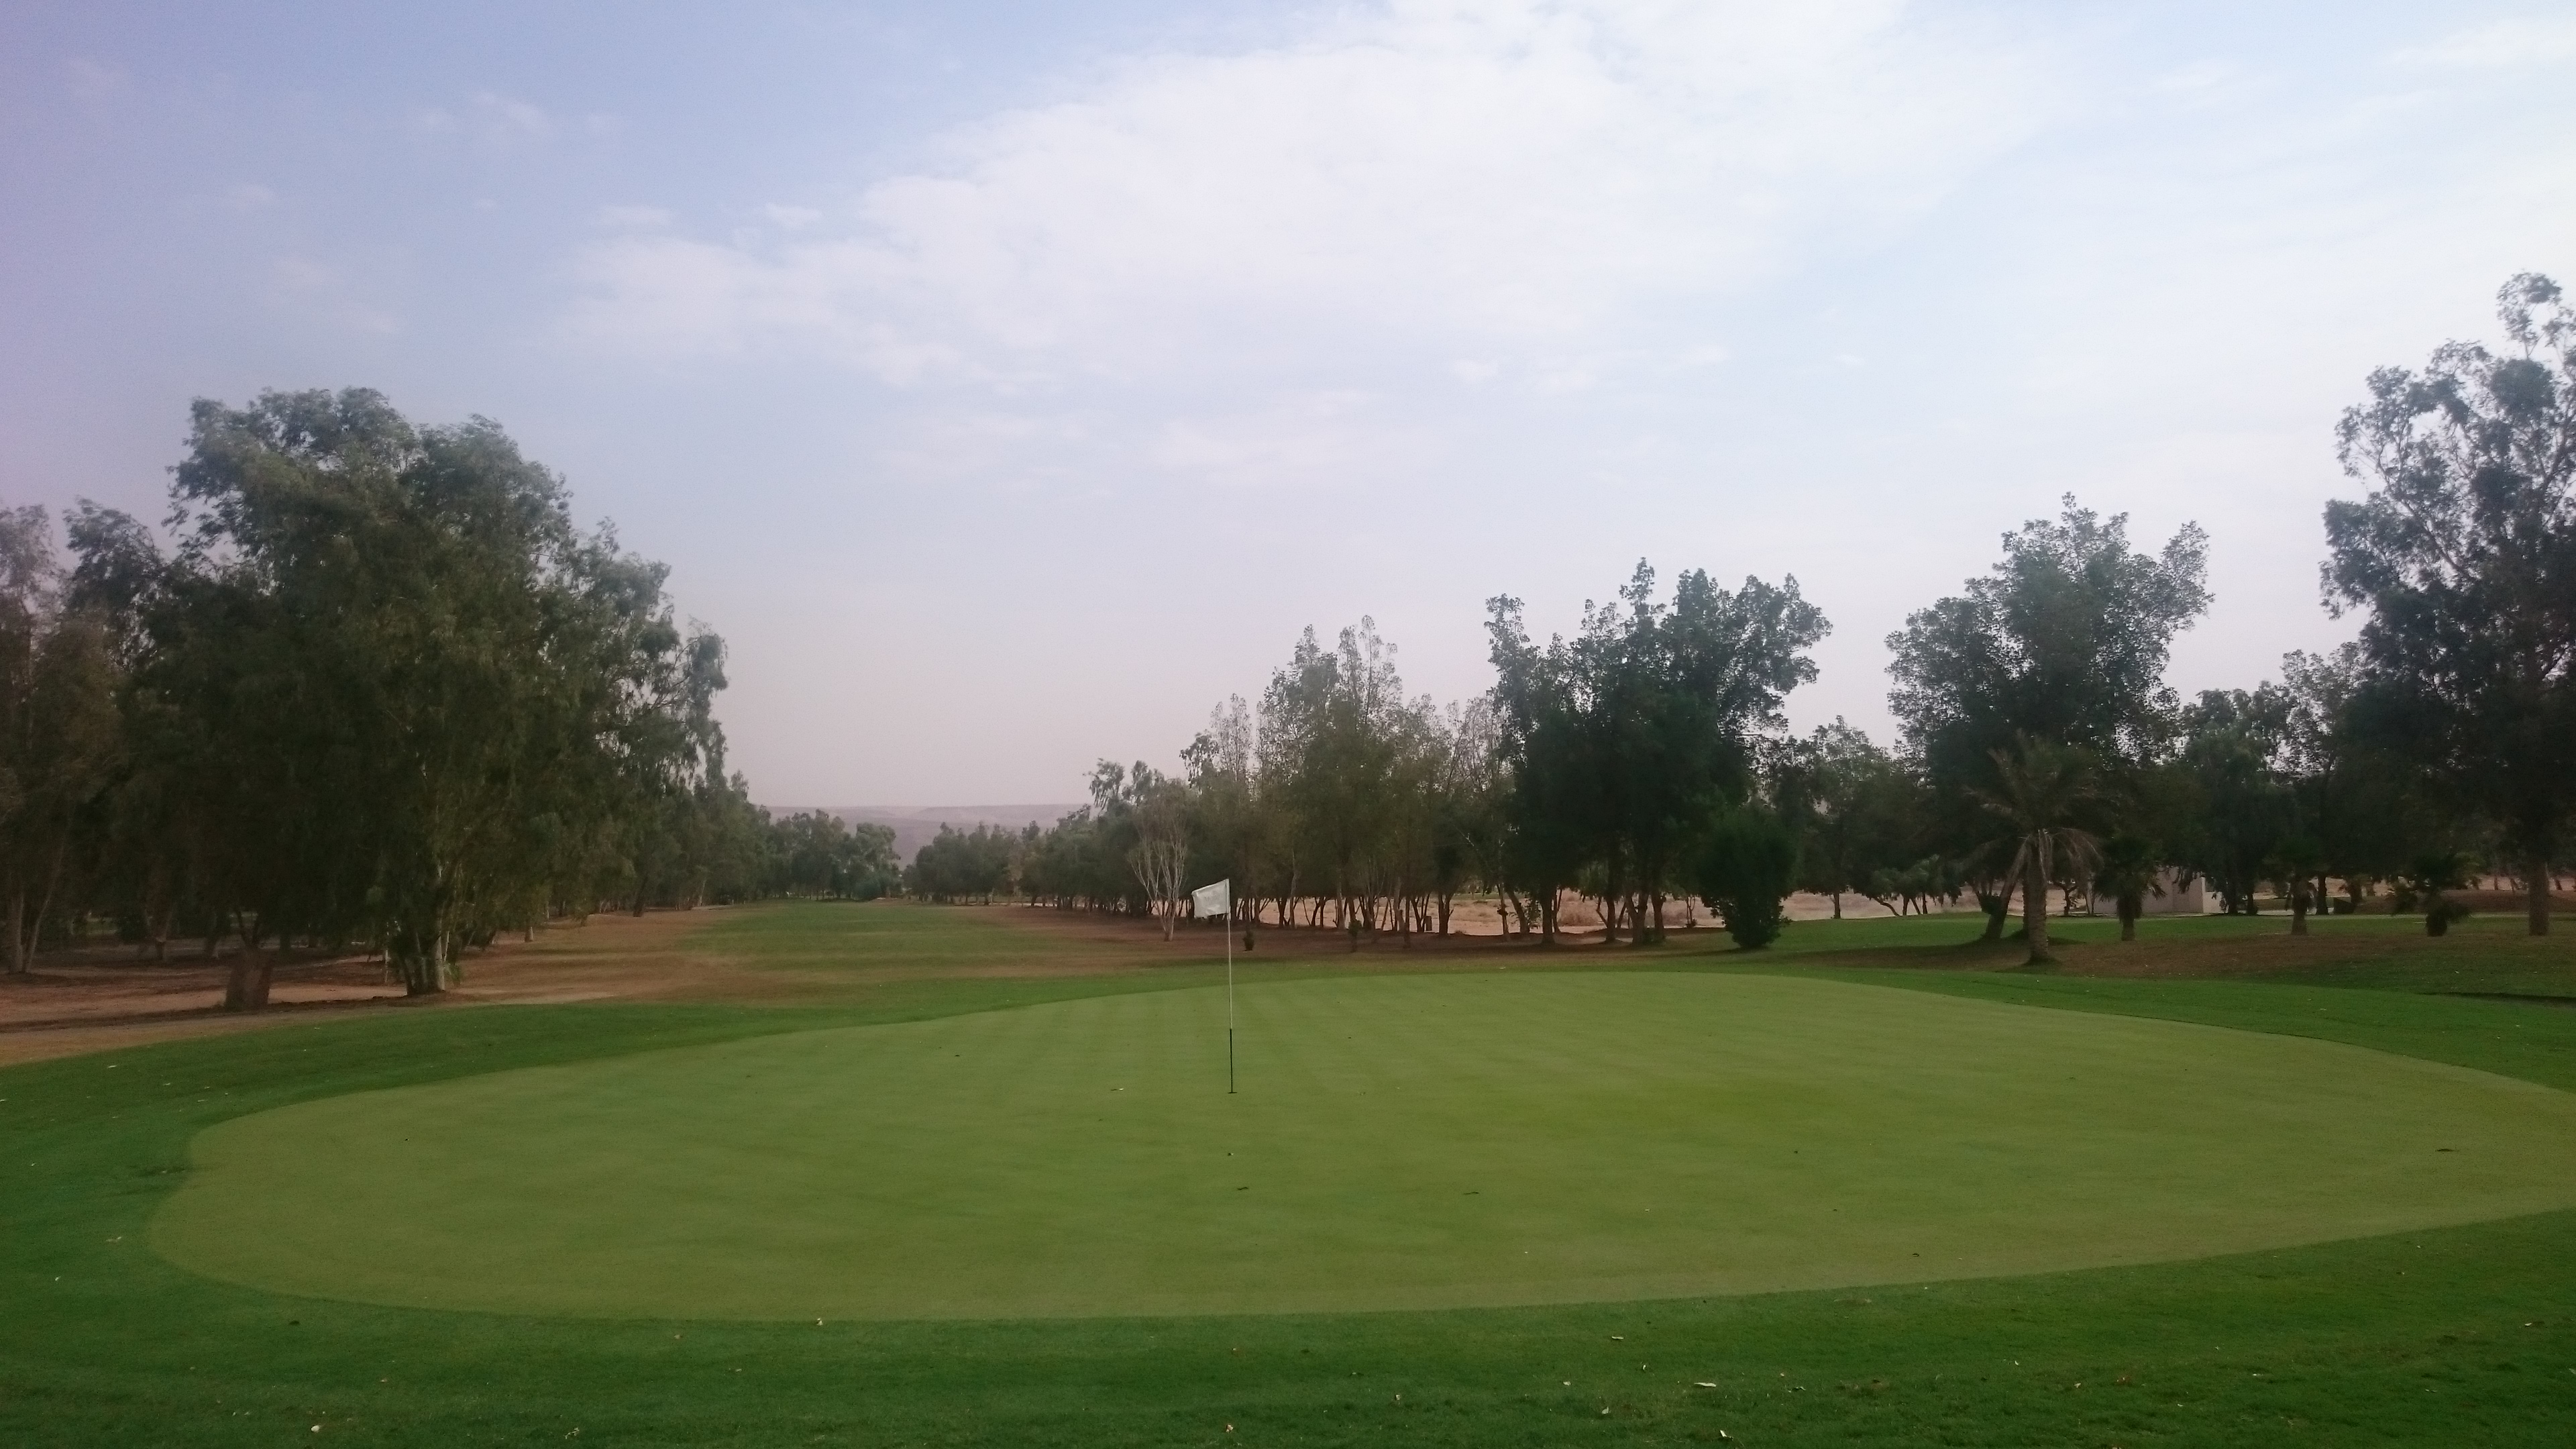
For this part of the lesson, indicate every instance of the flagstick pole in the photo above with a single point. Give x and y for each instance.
(1229, 988)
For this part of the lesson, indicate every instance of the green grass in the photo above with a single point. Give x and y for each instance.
(2482, 932)
(2455, 1335)
(1405, 1142)
(893, 938)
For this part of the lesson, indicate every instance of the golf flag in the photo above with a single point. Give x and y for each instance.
(1212, 902)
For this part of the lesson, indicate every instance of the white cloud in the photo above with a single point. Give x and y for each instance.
(493, 119)
(500, 118)
(641, 218)
(313, 289)
(1490, 179)
(2519, 41)
(1318, 439)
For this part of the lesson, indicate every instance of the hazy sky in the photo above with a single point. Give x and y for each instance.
(1009, 383)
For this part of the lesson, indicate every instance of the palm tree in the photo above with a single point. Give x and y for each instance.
(2127, 873)
(2041, 792)
(2295, 863)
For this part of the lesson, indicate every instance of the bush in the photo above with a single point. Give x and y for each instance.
(2443, 911)
(1747, 870)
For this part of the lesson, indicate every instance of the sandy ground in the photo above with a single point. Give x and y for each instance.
(1481, 916)
(102, 1000)
(93, 1001)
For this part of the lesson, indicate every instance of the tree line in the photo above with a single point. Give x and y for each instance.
(368, 688)
(2040, 755)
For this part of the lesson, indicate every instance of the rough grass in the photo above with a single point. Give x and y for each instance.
(2459, 1335)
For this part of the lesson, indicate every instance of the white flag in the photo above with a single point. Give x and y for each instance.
(1211, 901)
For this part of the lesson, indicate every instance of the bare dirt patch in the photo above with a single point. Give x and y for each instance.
(84, 1002)
(75, 1002)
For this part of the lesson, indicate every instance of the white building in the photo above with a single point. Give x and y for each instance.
(2175, 900)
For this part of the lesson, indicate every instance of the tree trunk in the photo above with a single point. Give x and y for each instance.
(1610, 902)
(1838, 905)
(2538, 903)
(246, 983)
(1997, 905)
(2128, 919)
(2034, 908)
(419, 959)
(26, 927)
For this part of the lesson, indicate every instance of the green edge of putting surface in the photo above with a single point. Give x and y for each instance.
(1399, 1143)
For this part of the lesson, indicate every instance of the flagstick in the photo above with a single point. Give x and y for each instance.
(1229, 990)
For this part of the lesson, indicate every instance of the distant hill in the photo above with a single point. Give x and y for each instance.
(914, 825)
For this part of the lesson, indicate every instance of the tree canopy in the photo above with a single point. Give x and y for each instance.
(2463, 558)
(383, 691)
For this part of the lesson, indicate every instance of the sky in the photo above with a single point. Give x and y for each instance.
(1010, 383)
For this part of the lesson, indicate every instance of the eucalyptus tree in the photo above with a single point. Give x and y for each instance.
(1470, 825)
(1332, 721)
(1160, 856)
(2062, 643)
(1858, 811)
(1065, 865)
(383, 689)
(1412, 848)
(1226, 824)
(59, 735)
(813, 853)
(1630, 740)
(2463, 556)
(1113, 829)
(956, 865)
(2243, 806)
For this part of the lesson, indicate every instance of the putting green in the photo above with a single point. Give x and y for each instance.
(1401, 1142)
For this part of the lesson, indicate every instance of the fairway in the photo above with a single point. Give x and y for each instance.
(1399, 1143)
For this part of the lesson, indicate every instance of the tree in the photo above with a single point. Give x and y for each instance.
(2356, 797)
(1747, 867)
(2463, 554)
(383, 690)
(1629, 740)
(59, 735)
(2063, 643)
(1226, 821)
(2430, 877)
(957, 865)
(2241, 806)
(2042, 790)
(1858, 811)
(2128, 870)
(1162, 848)
(2295, 863)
